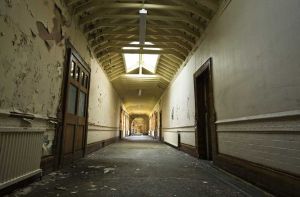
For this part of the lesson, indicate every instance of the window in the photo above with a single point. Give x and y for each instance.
(147, 61)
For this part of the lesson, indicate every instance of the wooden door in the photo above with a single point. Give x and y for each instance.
(76, 106)
(205, 134)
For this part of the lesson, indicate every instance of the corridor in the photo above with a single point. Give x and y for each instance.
(140, 166)
(150, 97)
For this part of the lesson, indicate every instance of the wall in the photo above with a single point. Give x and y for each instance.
(256, 65)
(32, 60)
(104, 107)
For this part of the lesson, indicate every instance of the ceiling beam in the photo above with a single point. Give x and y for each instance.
(172, 26)
(107, 55)
(158, 39)
(169, 64)
(101, 15)
(115, 70)
(98, 4)
(111, 58)
(71, 2)
(171, 71)
(117, 61)
(113, 66)
(113, 75)
(113, 61)
(144, 51)
(173, 60)
(197, 4)
(132, 33)
(165, 73)
(172, 47)
(162, 64)
(208, 3)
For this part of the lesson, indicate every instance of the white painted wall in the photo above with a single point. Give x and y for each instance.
(104, 106)
(256, 67)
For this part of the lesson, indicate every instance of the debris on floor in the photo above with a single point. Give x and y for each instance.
(24, 191)
(96, 167)
(107, 170)
(136, 169)
(61, 188)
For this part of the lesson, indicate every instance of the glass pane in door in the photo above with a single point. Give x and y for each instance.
(81, 105)
(72, 94)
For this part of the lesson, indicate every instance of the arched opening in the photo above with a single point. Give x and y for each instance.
(138, 126)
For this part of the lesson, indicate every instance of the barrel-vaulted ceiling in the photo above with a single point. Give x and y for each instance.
(168, 29)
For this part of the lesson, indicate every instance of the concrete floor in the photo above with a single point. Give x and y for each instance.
(139, 166)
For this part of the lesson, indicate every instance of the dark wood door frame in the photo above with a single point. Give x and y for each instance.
(206, 69)
(160, 126)
(71, 51)
(155, 125)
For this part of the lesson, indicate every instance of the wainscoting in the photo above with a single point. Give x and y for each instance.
(100, 136)
(263, 149)
(182, 138)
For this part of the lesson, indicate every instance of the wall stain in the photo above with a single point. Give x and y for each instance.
(188, 108)
(8, 3)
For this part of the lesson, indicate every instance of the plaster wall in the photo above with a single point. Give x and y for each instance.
(255, 50)
(32, 60)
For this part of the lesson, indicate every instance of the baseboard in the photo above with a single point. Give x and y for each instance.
(20, 184)
(273, 181)
(98, 145)
(170, 145)
(47, 164)
(189, 149)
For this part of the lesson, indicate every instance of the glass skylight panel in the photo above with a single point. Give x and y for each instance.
(131, 61)
(135, 42)
(154, 49)
(148, 61)
(131, 48)
(149, 43)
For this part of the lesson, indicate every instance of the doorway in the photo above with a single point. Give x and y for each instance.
(160, 126)
(155, 125)
(205, 116)
(74, 135)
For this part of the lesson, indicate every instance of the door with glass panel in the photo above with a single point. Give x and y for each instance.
(76, 105)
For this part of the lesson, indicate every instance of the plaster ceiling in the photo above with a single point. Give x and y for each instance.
(174, 26)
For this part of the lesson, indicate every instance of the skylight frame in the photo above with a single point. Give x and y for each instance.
(150, 68)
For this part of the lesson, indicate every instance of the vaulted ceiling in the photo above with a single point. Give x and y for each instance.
(173, 26)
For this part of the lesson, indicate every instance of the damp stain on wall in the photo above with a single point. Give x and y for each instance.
(188, 108)
(172, 114)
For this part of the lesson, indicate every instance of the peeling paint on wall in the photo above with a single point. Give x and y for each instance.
(32, 61)
(56, 33)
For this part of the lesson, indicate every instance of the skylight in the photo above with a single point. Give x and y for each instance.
(147, 61)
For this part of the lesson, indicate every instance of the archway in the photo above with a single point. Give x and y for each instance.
(139, 125)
